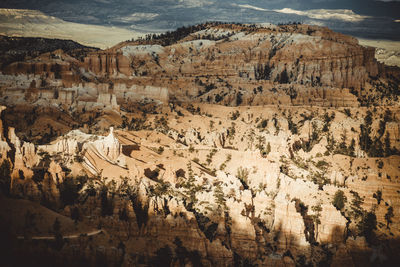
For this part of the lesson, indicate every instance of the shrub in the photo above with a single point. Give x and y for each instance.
(180, 173)
(160, 150)
(235, 115)
(380, 164)
(210, 156)
(322, 164)
(268, 149)
(218, 98)
(78, 157)
(347, 112)
(153, 175)
(262, 124)
(243, 174)
(191, 149)
(284, 169)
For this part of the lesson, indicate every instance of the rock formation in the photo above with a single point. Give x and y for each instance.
(223, 145)
(290, 65)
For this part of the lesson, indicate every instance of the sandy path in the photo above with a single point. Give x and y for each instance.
(96, 232)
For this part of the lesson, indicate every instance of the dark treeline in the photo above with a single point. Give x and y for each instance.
(14, 49)
(171, 37)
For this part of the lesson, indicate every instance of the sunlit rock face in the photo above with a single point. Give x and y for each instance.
(222, 145)
(290, 65)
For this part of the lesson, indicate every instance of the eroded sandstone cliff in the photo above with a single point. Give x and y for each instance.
(222, 145)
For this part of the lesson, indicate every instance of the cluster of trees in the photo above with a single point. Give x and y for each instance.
(289, 23)
(342, 148)
(327, 121)
(207, 87)
(193, 110)
(374, 146)
(13, 49)
(172, 37)
(311, 222)
(390, 90)
(165, 256)
(70, 187)
(313, 139)
(136, 124)
(262, 71)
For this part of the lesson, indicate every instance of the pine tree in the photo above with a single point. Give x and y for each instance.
(5, 177)
(59, 241)
(342, 145)
(351, 148)
(339, 200)
(388, 216)
(316, 217)
(388, 149)
(367, 225)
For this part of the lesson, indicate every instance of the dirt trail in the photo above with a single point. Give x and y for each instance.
(92, 233)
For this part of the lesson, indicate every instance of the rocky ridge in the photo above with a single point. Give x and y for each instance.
(258, 65)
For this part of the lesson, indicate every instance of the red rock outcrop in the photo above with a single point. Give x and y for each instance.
(218, 64)
(107, 63)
